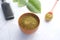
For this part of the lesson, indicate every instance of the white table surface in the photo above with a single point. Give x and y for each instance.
(9, 30)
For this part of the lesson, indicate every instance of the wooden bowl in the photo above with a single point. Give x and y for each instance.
(28, 23)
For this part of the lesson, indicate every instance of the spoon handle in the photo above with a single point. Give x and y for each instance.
(54, 5)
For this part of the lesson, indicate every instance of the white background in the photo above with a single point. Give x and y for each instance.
(9, 30)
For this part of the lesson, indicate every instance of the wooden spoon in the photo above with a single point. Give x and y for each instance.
(49, 15)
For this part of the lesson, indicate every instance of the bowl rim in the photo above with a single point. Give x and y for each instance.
(29, 14)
